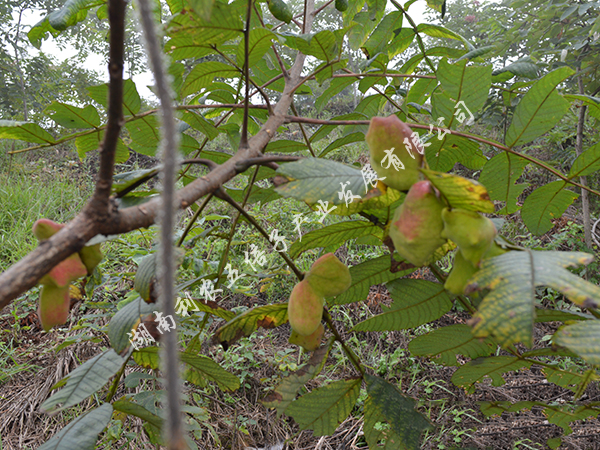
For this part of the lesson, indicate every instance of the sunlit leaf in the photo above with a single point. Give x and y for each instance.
(24, 131)
(70, 116)
(461, 192)
(208, 370)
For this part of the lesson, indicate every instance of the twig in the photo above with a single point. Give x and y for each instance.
(306, 139)
(220, 193)
(353, 358)
(170, 355)
(190, 225)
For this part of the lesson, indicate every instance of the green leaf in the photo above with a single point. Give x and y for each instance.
(285, 392)
(523, 67)
(500, 175)
(147, 357)
(539, 110)
(573, 381)
(436, 4)
(477, 52)
(324, 408)
(460, 83)
(145, 135)
(507, 312)
(587, 163)
(269, 316)
(128, 180)
(386, 405)
(325, 130)
(82, 433)
(69, 15)
(210, 307)
(91, 142)
(202, 75)
(336, 86)
(70, 116)
(202, 7)
(438, 31)
(85, 380)
(443, 153)
(447, 342)
(207, 369)
(556, 315)
(199, 123)
(364, 275)
(376, 8)
(461, 192)
(385, 30)
(24, 131)
(126, 319)
(415, 302)
(134, 409)
(334, 234)
(564, 415)
(582, 338)
(492, 408)
(259, 43)
(344, 140)
(494, 367)
(285, 146)
(547, 202)
(131, 99)
(322, 45)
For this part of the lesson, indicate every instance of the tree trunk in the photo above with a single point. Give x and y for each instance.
(585, 203)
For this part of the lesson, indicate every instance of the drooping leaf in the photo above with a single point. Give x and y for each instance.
(124, 320)
(461, 192)
(415, 302)
(324, 408)
(477, 52)
(496, 408)
(129, 407)
(523, 67)
(82, 433)
(500, 175)
(286, 390)
(209, 370)
(539, 110)
(379, 39)
(586, 163)
(199, 123)
(385, 405)
(494, 367)
(333, 234)
(507, 312)
(70, 116)
(364, 275)
(336, 86)
(127, 181)
(147, 357)
(582, 338)
(269, 316)
(547, 202)
(323, 45)
(85, 380)
(210, 307)
(447, 342)
(24, 131)
(438, 31)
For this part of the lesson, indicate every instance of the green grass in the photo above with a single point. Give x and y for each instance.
(27, 197)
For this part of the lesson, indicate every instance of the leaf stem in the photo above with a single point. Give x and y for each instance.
(351, 355)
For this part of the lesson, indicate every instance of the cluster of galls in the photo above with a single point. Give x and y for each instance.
(421, 226)
(423, 223)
